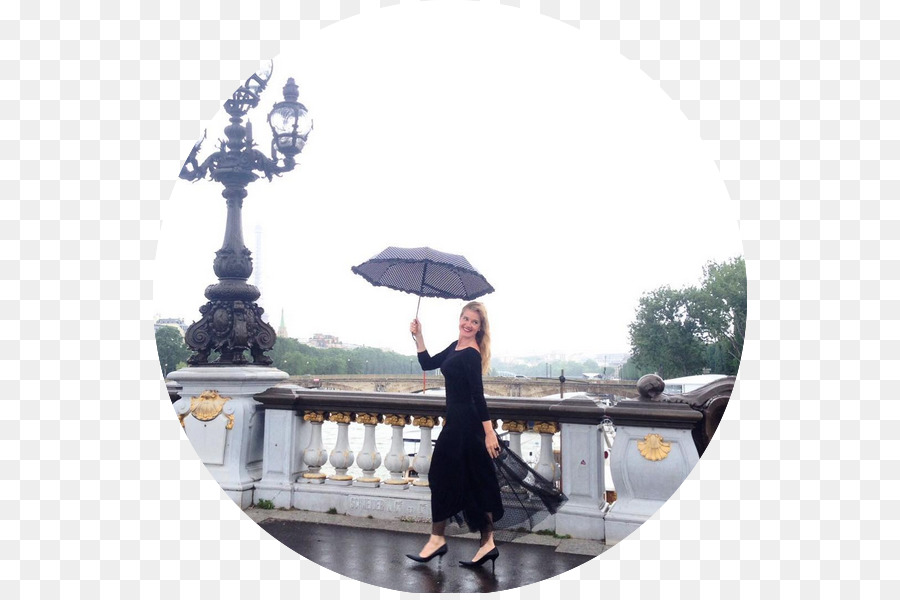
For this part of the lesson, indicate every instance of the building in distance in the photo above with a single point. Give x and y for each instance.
(321, 340)
(169, 322)
(282, 329)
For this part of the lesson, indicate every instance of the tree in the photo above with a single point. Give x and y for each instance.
(630, 371)
(720, 306)
(664, 338)
(680, 332)
(718, 359)
(171, 349)
(296, 358)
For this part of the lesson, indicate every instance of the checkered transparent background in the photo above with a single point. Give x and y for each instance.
(102, 494)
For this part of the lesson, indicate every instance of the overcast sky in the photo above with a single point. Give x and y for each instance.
(561, 171)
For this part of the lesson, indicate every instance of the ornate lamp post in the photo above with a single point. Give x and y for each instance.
(231, 321)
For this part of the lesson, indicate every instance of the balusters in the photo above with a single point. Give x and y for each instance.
(546, 466)
(422, 461)
(315, 454)
(515, 429)
(396, 460)
(369, 458)
(341, 457)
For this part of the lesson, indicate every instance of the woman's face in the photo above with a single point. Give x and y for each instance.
(469, 324)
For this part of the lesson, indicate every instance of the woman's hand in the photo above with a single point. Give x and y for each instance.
(491, 443)
(415, 328)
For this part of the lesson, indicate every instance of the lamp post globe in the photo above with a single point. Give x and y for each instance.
(290, 123)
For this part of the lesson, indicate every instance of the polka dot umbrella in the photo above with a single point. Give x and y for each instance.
(424, 272)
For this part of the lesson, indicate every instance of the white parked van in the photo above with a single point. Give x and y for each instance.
(682, 385)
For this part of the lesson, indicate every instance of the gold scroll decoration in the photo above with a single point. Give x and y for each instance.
(368, 418)
(207, 406)
(396, 420)
(313, 416)
(546, 427)
(424, 421)
(341, 417)
(653, 447)
(514, 426)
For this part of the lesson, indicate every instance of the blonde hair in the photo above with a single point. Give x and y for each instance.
(483, 337)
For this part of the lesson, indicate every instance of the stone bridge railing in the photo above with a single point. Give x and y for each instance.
(263, 441)
(515, 387)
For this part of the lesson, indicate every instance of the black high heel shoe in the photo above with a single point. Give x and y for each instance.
(424, 559)
(492, 555)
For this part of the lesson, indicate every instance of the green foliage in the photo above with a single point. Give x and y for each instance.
(173, 353)
(265, 505)
(550, 532)
(664, 337)
(296, 358)
(719, 359)
(332, 511)
(720, 306)
(681, 332)
(630, 371)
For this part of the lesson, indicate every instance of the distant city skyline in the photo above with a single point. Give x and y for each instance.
(327, 340)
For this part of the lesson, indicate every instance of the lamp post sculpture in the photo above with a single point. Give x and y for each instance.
(231, 322)
(217, 409)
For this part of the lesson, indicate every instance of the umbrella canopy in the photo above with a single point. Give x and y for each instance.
(425, 272)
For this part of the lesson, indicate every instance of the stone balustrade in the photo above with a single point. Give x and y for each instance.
(658, 440)
(656, 453)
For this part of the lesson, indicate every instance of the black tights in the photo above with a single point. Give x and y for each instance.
(486, 530)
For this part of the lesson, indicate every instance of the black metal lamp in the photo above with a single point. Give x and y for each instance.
(290, 123)
(231, 322)
(247, 96)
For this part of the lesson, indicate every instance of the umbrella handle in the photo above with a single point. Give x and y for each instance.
(417, 314)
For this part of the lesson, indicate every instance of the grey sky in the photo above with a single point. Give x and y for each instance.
(557, 168)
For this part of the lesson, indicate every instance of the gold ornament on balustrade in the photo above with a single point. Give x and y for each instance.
(368, 418)
(313, 416)
(424, 421)
(396, 420)
(342, 417)
(653, 447)
(546, 427)
(207, 406)
(514, 426)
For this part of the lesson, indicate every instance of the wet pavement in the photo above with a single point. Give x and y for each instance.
(375, 551)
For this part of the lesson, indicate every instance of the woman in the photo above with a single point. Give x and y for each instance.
(463, 482)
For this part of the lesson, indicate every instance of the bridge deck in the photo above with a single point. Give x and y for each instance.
(374, 552)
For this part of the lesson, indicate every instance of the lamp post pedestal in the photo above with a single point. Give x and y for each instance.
(231, 322)
(222, 422)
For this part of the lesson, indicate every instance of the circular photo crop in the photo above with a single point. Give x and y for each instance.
(451, 298)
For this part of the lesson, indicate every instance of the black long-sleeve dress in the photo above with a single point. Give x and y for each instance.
(466, 484)
(463, 481)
